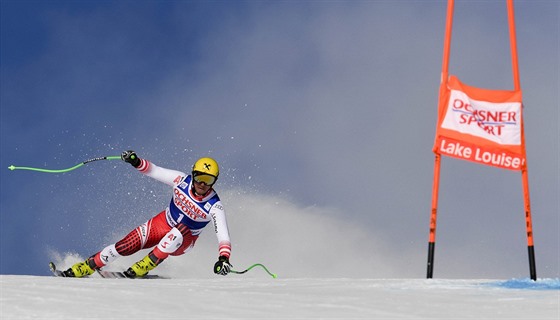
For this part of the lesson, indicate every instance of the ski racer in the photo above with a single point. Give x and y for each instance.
(173, 231)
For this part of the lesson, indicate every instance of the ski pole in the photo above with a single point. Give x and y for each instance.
(12, 167)
(255, 265)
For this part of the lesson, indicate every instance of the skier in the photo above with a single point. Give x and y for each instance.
(174, 230)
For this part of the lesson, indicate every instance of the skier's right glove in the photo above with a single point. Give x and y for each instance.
(131, 157)
(223, 266)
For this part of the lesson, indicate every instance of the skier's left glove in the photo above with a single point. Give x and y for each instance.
(223, 266)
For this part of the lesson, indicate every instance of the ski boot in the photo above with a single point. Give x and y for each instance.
(141, 268)
(82, 269)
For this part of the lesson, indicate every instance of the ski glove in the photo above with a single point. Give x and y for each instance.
(223, 266)
(131, 157)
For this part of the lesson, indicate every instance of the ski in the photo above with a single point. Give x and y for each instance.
(55, 271)
(104, 274)
(121, 275)
(111, 274)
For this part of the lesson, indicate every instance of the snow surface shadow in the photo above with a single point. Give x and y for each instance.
(528, 284)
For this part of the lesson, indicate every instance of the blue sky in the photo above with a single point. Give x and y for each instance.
(321, 113)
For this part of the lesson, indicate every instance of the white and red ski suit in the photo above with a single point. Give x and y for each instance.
(175, 230)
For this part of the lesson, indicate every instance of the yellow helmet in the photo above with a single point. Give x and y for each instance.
(206, 167)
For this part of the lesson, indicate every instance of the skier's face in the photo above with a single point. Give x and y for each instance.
(201, 188)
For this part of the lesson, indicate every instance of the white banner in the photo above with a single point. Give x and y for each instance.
(497, 122)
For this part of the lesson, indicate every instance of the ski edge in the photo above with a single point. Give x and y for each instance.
(121, 275)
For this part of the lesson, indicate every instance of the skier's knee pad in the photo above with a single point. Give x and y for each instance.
(171, 241)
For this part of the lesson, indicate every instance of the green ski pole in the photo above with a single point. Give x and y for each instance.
(12, 167)
(274, 275)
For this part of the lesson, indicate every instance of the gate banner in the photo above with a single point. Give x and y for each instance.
(481, 125)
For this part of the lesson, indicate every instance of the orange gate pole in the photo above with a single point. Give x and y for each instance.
(437, 162)
(524, 170)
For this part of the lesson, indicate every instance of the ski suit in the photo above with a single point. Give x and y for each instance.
(175, 229)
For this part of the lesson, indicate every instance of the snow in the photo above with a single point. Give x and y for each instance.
(259, 296)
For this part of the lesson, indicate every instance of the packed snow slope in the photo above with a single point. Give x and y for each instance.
(261, 297)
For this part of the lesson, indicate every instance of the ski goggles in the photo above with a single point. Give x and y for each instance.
(203, 177)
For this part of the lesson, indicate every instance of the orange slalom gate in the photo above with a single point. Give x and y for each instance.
(483, 126)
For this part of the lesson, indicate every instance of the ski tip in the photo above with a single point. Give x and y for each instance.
(54, 271)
